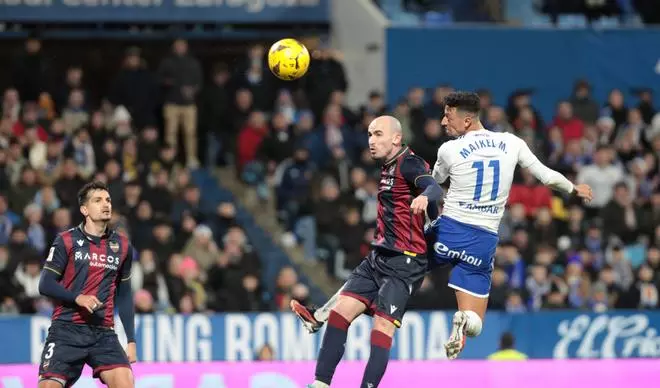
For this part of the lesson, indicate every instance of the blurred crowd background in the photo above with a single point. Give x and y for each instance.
(146, 126)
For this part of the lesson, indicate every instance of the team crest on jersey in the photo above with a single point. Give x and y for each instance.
(46, 364)
(114, 246)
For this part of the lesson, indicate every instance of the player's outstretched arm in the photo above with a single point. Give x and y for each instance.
(548, 176)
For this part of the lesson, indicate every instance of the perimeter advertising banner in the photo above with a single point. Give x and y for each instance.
(482, 374)
(238, 337)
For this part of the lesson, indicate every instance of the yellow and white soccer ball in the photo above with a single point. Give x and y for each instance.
(288, 59)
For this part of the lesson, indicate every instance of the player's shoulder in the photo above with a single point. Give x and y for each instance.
(120, 235)
(67, 233)
(447, 146)
(509, 136)
(411, 157)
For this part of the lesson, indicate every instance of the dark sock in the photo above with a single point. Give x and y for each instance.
(378, 359)
(332, 347)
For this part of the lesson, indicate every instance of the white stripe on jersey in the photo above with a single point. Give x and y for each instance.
(480, 167)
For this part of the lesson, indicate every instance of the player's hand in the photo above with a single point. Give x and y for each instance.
(90, 302)
(131, 352)
(584, 191)
(419, 204)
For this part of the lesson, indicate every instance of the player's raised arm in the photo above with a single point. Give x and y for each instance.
(124, 300)
(548, 176)
(52, 272)
(415, 171)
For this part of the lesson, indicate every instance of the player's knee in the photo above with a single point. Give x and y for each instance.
(384, 325)
(474, 325)
(349, 308)
(51, 383)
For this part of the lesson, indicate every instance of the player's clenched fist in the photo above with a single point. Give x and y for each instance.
(418, 205)
(90, 302)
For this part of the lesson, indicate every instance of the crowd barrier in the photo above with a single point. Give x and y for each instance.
(238, 337)
(467, 374)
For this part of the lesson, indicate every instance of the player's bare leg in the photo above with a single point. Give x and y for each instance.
(313, 319)
(52, 383)
(118, 378)
(467, 321)
(334, 340)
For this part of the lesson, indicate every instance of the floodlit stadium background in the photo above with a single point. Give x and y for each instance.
(266, 194)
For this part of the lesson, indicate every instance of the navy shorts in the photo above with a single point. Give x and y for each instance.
(470, 250)
(70, 346)
(385, 281)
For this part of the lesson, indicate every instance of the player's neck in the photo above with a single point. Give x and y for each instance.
(393, 154)
(96, 229)
(475, 127)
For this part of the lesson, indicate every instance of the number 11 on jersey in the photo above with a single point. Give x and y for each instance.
(479, 166)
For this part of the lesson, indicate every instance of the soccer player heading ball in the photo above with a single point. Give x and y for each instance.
(479, 165)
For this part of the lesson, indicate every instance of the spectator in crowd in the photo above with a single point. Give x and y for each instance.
(181, 76)
(507, 350)
(301, 140)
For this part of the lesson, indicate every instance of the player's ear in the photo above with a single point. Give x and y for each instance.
(83, 210)
(397, 138)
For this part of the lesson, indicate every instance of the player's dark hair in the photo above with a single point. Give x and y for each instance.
(464, 101)
(83, 194)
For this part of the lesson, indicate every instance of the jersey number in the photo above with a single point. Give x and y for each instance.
(49, 350)
(495, 165)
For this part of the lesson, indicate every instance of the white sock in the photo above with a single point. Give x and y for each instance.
(319, 384)
(323, 313)
(474, 324)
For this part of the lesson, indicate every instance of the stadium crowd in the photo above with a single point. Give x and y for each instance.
(302, 147)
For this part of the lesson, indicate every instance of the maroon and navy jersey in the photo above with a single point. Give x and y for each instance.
(398, 229)
(89, 265)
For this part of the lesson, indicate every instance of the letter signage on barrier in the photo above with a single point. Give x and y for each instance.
(161, 11)
(238, 337)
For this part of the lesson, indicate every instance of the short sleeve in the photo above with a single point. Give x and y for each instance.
(413, 167)
(57, 258)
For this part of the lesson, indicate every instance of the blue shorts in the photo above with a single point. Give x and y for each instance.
(470, 250)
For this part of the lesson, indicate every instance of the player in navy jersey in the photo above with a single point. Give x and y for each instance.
(86, 273)
(382, 284)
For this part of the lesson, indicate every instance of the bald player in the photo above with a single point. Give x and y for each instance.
(382, 284)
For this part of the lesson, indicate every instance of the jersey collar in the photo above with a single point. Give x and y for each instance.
(401, 152)
(107, 234)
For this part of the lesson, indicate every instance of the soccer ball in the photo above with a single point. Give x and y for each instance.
(288, 59)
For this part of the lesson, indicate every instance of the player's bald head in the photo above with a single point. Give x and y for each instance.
(389, 124)
(385, 137)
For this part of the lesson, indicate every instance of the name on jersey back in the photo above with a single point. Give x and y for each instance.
(480, 144)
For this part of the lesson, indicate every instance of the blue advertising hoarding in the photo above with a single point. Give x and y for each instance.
(238, 337)
(504, 59)
(164, 11)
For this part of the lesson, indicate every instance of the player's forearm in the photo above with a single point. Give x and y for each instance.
(126, 309)
(432, 189)
(432, 210)
(48, 286)
(551, 178)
